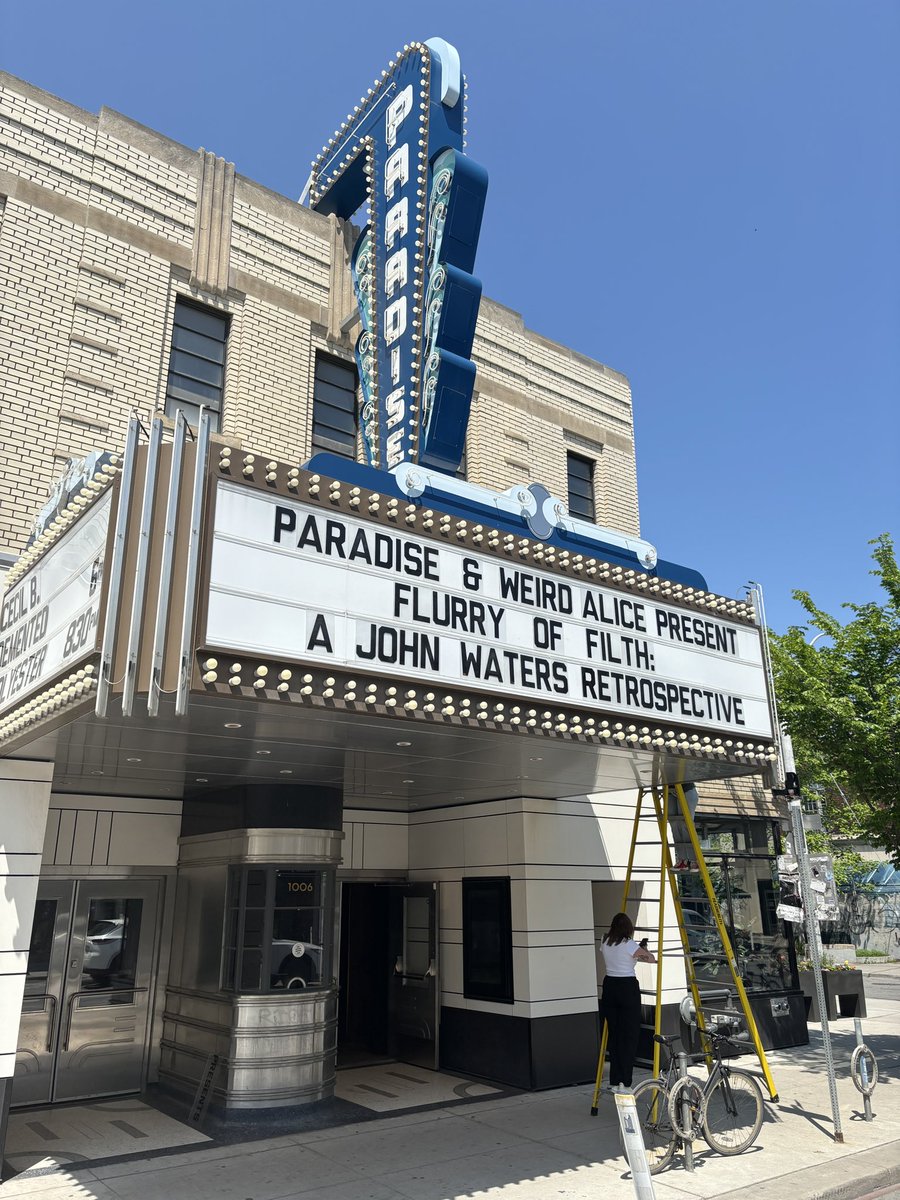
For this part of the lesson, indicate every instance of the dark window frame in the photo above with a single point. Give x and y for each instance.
(234, 927)
(580, 485)
(335, 422)
(199, 355)
(501, 990)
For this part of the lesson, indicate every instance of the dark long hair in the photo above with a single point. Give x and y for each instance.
(620, 930)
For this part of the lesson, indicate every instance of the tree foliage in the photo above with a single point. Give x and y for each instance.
(840, 701)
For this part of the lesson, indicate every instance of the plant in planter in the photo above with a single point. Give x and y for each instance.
(842, 984)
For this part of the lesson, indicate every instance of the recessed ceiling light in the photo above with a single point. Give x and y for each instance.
(264, 752)
(409, 781)
(233, 725)
(535, 760)
(96, 772)
(201, 779)
(286, 772)
(404, 743)
(133, 760)
(387, 793)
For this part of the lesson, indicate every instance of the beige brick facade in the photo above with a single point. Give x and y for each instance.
(102, 226)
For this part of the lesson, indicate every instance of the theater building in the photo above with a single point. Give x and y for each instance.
(320, 741)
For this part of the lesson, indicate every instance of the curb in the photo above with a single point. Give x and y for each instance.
(846, 1178)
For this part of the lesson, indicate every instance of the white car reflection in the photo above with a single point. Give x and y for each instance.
(103, 947)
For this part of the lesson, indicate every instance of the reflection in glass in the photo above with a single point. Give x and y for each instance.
(740, 855)
(283, 910)
(111, 950)
(39, 953)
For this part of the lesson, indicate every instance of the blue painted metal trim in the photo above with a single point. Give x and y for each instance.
(358, 475)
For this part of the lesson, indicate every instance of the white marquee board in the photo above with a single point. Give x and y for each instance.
(49, 618)
(294, 581)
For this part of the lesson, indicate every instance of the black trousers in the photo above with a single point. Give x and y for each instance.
(622, 1012)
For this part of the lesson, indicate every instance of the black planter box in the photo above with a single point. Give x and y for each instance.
(844, 994)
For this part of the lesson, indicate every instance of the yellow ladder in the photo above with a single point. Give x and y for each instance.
(667, 874)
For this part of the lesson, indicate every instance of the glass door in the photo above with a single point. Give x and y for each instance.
(415, 986)
(86, 1014)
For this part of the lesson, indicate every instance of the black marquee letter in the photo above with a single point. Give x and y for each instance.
(320, 635)
(285, 521)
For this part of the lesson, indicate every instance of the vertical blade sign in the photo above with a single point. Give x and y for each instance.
(401, 153)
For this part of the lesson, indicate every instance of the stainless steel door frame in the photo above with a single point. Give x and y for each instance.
(87, 1032)
(415, 1000)
(39, 1022)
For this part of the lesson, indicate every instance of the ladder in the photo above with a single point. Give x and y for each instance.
(698, 985)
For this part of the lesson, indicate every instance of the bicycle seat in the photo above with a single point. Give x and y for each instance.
(664, 1041)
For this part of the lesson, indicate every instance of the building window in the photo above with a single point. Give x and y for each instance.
(197, 363)
(335, 418)
(487, 940)
(275, 934)
(581, 486)
(740, 854)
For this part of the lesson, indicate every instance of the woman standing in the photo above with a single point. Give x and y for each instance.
(622, 998)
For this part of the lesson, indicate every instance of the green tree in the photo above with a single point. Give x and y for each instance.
(840, 701)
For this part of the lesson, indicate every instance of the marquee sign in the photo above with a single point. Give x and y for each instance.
(49, 618)
(401, 152)
(290, 580)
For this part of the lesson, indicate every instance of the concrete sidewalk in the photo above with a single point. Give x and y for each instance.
(536, 1146)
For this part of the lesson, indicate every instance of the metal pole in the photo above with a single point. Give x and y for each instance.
(807, 895)
(863, 1069)
(686, 1118)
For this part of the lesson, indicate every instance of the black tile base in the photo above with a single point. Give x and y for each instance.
(543, 1053)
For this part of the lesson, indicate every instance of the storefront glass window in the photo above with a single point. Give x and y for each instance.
(275, 931)
(740, 854)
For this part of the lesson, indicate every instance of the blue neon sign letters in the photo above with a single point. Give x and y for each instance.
(401, 150)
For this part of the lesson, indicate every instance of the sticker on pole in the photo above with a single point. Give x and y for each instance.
(824, 891)
(630, 1126)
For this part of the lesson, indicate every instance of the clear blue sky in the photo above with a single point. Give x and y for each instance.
(703, 195)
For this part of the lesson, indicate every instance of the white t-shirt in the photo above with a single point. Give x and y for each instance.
(619, 959)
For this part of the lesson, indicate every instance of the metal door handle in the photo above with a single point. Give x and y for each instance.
(94, 992)
(431, 973)
(42, 996)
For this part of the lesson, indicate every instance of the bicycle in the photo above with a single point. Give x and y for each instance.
(727, 1109)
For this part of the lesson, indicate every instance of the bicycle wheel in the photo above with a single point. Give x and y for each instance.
(686, 1124)
(732, 1112)
(651, 1101)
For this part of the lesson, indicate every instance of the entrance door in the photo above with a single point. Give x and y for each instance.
(85, 1016)
(415, 988)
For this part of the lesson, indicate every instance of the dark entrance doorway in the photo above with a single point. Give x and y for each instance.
(363, 1001)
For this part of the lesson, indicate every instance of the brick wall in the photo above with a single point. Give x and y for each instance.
(99, 235)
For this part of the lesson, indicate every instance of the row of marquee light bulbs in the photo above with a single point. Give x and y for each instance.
(72, 687)
(86, 495)
(500, 714)
(336, 170)
(371, 94)
(493, 538)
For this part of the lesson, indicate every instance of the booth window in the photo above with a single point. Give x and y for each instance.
(275, 933)
(335, 417)
(487, 940)
(197, 363)
(740, 853)
(581, 486)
